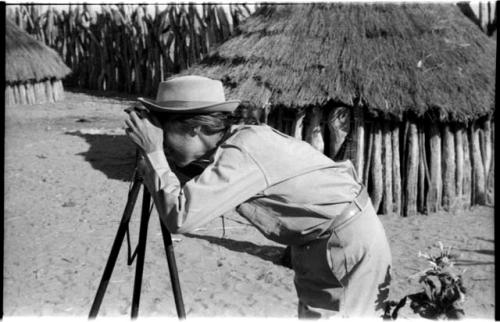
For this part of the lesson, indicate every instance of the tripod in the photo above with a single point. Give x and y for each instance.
(139, 252)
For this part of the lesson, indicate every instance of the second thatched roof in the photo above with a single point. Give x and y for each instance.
(394, 58)
(29, 60)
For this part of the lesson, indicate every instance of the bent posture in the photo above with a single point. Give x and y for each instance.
(292, 193)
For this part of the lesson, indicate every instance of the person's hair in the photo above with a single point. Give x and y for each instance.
(210, 123)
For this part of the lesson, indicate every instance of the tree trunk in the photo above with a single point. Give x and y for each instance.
(396, 170)
(314, 131)
(434, 194)
(410, 193)
(459, 173)
(376, 171)
(467, 182)
(478, 179)
(298, 125)
(449, 164)
(387, 205)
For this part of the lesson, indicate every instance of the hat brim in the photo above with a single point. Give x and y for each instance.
(189, 107)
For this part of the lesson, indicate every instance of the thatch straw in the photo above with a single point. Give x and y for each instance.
(395, 58)
(28, 59)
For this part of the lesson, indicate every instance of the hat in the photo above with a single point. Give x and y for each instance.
(190, 94)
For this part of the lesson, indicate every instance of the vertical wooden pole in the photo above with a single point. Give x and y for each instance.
(314, 132)
(421, 200)
(9, 95)
(449, 163)
(467, 182)
(396, 170)
(298, 125)
(387, 205)
(487, 147)
(359, 136)
(490, 181)
(368, 158)
(376, 169)
(22, 94)
(478, 188)
(434, 195)
(459, 173)
(338, 120)
(411, 172)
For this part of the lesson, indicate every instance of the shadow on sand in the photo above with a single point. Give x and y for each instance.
(273, 254)
(113, 155)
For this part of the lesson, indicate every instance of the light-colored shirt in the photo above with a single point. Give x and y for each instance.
(282, 185)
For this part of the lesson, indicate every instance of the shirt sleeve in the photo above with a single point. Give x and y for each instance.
(232, 178)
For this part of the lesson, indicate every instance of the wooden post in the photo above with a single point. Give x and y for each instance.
(48, 91)
(376, 169)
(459, 173)
(298, 124)
(421, 200)
(39, 91)
(487, 147)
(30, 93)
(434, 195)
(339, 126)
(9, 95)
(449, 163)
(467, 182)
(314, 132)
(22, 94)
(368, 158)
(478, 178)
(15, 90)
(58, 90)
(359, 136)
(410, 193)
(490, 181)
(396, 170)
(387, 205)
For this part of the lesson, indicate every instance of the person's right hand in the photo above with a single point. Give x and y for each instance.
(145, 131)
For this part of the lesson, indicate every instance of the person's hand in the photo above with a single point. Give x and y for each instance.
(145, 131)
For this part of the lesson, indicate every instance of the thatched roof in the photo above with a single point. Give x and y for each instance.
(27, 59)
(393, 57)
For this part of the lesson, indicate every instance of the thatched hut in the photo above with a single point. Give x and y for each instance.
(406, 91)
(33, 71)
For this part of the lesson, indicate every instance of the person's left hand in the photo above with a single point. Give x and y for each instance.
(145, 131)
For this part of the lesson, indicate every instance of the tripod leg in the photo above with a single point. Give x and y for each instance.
(115, 249)
(174, 276)
(141, 252)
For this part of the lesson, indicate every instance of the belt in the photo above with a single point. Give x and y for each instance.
(354, 208)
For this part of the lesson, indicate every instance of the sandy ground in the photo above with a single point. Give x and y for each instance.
(67, 172)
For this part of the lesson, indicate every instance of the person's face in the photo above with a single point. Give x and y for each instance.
(183, 147)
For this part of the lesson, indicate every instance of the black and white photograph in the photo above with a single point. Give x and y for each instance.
(264, 160)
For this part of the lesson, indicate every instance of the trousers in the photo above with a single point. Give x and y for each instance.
(348, 272)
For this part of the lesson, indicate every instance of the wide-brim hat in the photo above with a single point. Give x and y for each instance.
(190, 94)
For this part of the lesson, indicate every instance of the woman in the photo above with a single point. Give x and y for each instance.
(292, 193)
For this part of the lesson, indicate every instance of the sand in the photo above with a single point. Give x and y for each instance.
(67, 173)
